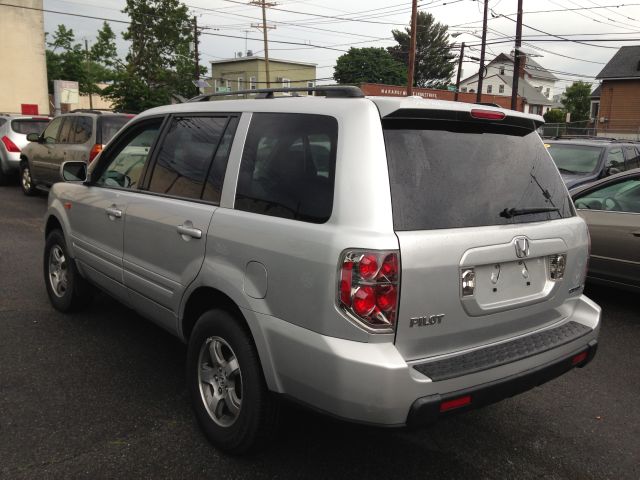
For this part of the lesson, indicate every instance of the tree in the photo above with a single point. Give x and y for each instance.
(158, 63)
(577, 100)
(369, 65)
(555, 115)
(434, 61)
(104, 50)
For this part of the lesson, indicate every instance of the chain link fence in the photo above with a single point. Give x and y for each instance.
(587, 129)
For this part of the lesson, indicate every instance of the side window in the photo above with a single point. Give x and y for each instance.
(615, 160)
(185, 156)
(65, 135)
(126, 160)
(623, 196)
(50, 133)
(82, 130)
(632, 157)
(288, 166)
(215, 177)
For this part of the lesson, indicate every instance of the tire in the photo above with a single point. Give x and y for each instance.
(67, 290)
(26, 181)
(4, 178)
(242, 415)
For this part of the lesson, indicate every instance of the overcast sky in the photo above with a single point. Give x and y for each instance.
(369, 23)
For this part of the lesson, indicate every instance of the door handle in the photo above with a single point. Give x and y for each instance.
(636, 234)
(113, 212)
(187, 230)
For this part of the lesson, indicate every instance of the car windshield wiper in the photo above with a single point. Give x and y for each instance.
(515, 212)
(566, 170)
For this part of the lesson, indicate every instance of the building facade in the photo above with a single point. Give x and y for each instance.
(536, 85)
(619, 108)
(249, 73)
(23, 79)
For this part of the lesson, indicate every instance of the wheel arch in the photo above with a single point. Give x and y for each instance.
(205, 298)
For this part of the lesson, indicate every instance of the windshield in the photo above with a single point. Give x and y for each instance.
(447, 174)
(579, 159)
(27, 126)
(110, 126)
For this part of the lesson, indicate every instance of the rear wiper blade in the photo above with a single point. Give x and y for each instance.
(515, 212)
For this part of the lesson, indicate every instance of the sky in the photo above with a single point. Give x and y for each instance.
(308, 25)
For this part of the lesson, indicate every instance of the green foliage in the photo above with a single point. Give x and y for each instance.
(577, 101)
(103, 51)
(555, 115)
(159, 62)
(435, 61)
(369, 65)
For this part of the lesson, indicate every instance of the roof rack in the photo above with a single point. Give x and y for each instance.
(89, 110)
(332, 91)
(584, 137)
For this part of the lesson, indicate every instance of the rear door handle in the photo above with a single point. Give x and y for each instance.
(113, 212)
(187, 229)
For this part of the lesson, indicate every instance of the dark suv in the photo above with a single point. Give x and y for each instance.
(585, 160)
(79, 135)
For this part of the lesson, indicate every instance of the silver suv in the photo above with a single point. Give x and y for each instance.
(388, 261)
(79, 135)
(14, 130)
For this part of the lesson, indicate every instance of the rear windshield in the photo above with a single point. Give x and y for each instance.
(110, 126)
(27, 126)
(577, 159)
(447, 174)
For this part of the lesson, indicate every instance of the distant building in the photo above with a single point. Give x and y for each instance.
(619, 105)
(249, 73)
(23, 76)
(536, 85)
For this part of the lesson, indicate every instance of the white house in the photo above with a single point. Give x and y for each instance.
(536, 84)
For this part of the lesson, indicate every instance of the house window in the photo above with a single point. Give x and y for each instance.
(489, 88)
(595, 108)
(310, 85)
(501, 70)
(535, 109)
(252, 83)
(547, 92)
(464, 90)
(471, 90)
(286, 83)
(501, 89)
(240, 83)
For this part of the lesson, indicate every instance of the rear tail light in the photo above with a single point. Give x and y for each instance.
(368, 288)
(487, 114)
(9, 145)
(557, 264)
(95, 150)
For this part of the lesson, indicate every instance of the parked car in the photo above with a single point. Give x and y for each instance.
(388, 261)
(79, 136)
(611, 208)
(585, 160)
(13, 133)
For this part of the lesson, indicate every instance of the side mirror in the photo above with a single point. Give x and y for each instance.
(33, 137)
(73, 171)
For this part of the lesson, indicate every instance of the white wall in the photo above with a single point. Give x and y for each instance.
(23, 77)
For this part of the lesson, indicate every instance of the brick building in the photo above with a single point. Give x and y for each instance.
(619, 109)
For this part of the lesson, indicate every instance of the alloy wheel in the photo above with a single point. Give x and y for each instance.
(58, 271)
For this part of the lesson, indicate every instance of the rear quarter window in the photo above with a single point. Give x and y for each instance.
(108, 126)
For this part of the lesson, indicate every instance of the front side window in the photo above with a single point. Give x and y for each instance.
(50, 134)
(288, 166)
(623, 196)
(185, 156)
(65, 135)
(126, 160)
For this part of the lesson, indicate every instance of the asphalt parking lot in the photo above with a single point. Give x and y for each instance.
(101, 394)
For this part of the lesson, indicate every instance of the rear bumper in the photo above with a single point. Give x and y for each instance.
(372, 383)
(10, 161)
(427, 410)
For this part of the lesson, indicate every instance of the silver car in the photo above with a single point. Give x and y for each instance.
(13, 138)
(389, 261)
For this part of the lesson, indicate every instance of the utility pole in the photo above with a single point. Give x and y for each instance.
(86, 49)
(517, 59)
(412, 47)
(460, 60)
(484, 45)
(196, 71)
(264, 4)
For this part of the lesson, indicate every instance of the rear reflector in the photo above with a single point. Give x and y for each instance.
(579, 358)
(9, 145)
(455, 403)
(487, 114)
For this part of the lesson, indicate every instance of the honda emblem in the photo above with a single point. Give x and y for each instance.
(522, 247)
